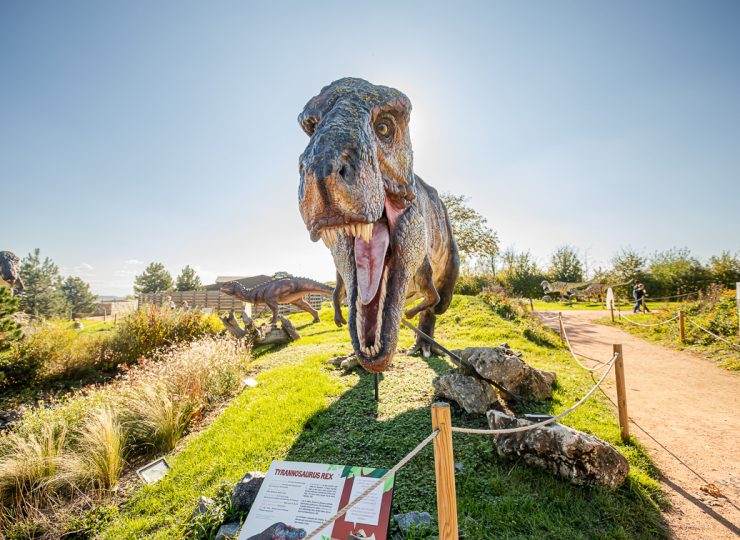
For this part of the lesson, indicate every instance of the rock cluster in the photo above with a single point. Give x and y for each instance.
(574, 455)
(471, 393)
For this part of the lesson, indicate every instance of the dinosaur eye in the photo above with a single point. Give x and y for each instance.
(383, 129)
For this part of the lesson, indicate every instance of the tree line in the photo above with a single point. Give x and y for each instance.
(671, 272)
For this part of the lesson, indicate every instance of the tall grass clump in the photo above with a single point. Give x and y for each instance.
(187, 380)
(98, 457)
(29, 462)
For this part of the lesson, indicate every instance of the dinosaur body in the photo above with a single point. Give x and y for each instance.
(388, 231)
(279, 291)
(595, 290)
(10, 271)
(563, 287)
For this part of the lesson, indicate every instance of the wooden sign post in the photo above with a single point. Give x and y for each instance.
(444, 470)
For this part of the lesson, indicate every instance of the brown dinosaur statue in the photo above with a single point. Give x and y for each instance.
(388, 231)
(289, 290)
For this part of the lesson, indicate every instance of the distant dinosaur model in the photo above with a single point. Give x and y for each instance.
(595, 290)
(563, 287)
(10, 271)
(279, 291)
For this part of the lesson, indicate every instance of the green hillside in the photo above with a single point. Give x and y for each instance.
(303, 410)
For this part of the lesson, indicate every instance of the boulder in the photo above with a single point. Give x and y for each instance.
(246, 491)
(579, 458)
(350, 362)
(471, 393)
(412, 521)
(228, 531)
(503, 366)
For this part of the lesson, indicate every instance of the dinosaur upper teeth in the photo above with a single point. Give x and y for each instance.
(331, 235)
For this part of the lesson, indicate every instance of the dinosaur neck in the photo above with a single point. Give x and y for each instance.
(245, 294)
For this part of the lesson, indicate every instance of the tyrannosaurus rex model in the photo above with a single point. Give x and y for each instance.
(388, 231)
(279, 291)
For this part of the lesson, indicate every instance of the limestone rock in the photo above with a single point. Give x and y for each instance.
(471, 393)
(228, 531)
(246, 491)
(503, 366)
(350, 362)
(574, 455)
(412, 521)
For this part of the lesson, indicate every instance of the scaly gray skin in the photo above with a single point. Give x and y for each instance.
(358, 190)
(10, 271)
(279, 291)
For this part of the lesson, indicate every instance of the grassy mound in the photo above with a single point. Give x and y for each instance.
(303, 410)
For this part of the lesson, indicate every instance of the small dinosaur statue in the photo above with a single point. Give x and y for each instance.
(388, 231)
(289, 290)
(10, 271)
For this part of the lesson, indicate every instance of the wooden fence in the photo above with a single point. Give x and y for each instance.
(220, 302)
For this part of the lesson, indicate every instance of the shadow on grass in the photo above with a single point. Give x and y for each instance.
(497, 497)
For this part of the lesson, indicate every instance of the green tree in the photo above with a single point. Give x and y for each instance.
(629, 267)
(42, 295)
(155, 278)
(725, 269)
(565, 265)
(474, 238)
(188, 280)
(520, 274)
(10, 330)
(676, 271)
(80, 301)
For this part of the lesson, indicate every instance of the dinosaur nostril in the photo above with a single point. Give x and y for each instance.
(344, 171)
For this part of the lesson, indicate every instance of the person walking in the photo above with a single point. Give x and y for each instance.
(639, 293)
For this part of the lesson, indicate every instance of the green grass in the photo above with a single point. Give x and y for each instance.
(541, 305)
(668, 335)
(95, 326)
(304, 410)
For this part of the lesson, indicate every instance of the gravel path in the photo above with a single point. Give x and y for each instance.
(689, 406)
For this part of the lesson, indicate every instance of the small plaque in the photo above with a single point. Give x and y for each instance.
(610, 298)
(153, 472)
(296, 498)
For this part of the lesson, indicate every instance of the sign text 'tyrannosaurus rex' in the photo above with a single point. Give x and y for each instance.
(388, 231)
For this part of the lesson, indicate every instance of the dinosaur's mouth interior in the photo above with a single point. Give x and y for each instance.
(371, 252)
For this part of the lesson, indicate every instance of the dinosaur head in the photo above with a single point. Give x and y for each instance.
(358, 193)
(230, 287)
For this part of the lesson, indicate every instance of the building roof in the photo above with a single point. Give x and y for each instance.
(248, 282)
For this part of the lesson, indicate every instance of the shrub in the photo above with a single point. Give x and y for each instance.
(502, 305)
(98, 456)
(154, 328)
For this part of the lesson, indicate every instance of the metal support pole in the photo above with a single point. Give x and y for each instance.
(377, 386)
(624, 421)
(444, 470)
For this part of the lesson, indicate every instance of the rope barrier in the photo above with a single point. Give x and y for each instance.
(646, 325)
(544, 422)
(573, 354)
(380, 482)
(731, 344)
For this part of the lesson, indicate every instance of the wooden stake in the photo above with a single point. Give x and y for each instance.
(624, 421)
(531, 305)
(562, 330)
(444, 469)
(682, 325)
(611, 308)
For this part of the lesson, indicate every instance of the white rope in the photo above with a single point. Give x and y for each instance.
(573, 354)
(544, 422)
(375, 486)
(646, 325)
(731, 344)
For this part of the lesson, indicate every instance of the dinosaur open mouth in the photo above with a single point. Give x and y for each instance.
(369, 248)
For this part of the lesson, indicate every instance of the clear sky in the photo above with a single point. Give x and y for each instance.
(133, 132)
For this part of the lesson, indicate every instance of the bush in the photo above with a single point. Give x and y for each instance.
(502, 305)
(473, 284)
(149, 330)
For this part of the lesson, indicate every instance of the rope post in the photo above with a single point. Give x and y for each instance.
(624, 421)
(682, 325)
(611, 309)
(560, 321)
(444, 470)
(531, 305)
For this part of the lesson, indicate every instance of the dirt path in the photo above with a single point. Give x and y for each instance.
(691, 407)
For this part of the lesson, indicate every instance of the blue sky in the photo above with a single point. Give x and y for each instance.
(133, 132)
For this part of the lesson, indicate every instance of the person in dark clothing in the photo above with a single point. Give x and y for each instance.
(640, 293)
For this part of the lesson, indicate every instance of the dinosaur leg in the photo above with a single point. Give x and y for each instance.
(427, 319)
(337, 299)
(275, 311)
(305, 306)
(425, 284)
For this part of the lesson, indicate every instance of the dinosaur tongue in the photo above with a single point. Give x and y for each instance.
(369, 260)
